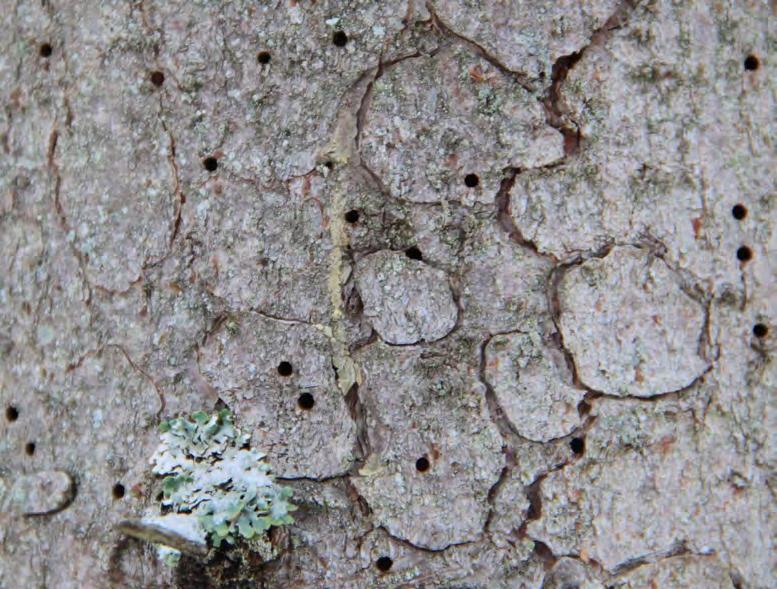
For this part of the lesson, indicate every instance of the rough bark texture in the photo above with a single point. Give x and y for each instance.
(519, 258)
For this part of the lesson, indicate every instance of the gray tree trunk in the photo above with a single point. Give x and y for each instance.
(493, 285)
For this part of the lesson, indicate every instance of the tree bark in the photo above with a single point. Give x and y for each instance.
(492, 285)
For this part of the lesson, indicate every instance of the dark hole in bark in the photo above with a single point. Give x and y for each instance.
(306, 401)
(285, 368)
(45, 50)
(263, 57)
(210, 164)
(339, 38)
(352, 216)
(422, 464)
(471, 180)
(384, 564)
(751, 63)
(414, 253)
(760, 330)
(157, 78)
(118, 491)
(577, 445)
(11, 413)
(29, 448)
(744, 254)
(739, 211)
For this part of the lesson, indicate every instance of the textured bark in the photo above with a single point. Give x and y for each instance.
(492, 284)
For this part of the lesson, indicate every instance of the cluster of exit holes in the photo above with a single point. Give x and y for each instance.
(306, 401)
(739, 211)
(744, 253)
(11, 415)
(210, 163)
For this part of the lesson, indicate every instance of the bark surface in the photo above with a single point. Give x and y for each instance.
(492, 284)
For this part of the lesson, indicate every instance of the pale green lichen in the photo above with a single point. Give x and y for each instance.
(211, 472)
(170, 556)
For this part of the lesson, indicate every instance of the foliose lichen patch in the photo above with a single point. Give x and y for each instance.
(210, 472)
(399, 240)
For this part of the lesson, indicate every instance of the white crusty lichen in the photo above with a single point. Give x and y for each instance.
(213, 476)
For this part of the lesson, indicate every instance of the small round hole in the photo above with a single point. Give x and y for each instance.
(45, 50)
(118, 491)
(339, 38)
(422, 464)
(285, 368)
(352, 216)
(263, 57)
(577, 445)
(384, 564)
(760, 330)
(306, 401)
(739, 211)
(414, 253)
(210, 163)
(744, 254)
(157, 78)
(29, 448)
(471, 180)
(751, 63)
(11, 413)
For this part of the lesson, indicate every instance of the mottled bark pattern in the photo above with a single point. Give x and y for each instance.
(492, 283)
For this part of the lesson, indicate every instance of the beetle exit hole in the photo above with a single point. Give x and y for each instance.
(414, 253)
(118, 491)
(11, 413)
(422, 464)
(306, 401)
(577, 445)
